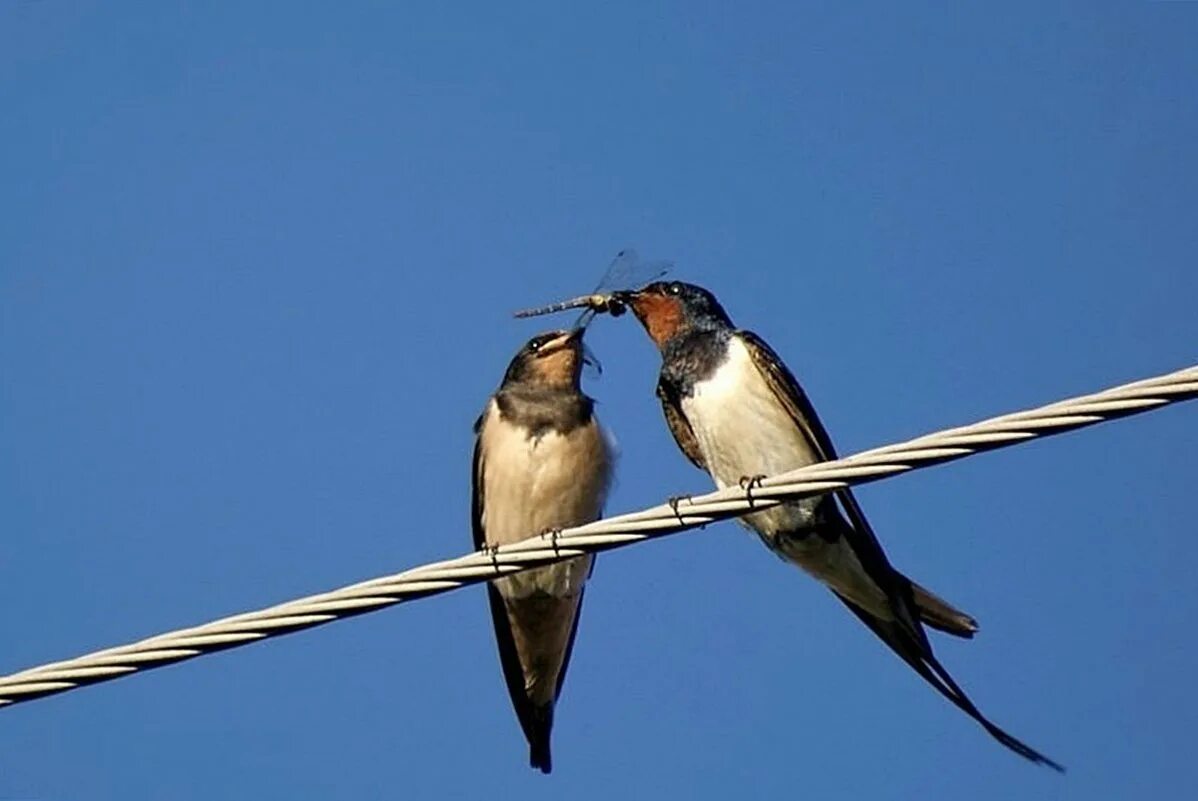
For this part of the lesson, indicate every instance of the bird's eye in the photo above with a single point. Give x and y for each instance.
(674, 289)
(535, 345)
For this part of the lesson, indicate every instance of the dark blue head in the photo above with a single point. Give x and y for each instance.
(671, 309)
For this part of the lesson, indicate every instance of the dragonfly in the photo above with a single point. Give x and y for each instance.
(625, 272)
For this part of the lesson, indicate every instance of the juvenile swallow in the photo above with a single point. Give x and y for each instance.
(541, 462)
(738, 413)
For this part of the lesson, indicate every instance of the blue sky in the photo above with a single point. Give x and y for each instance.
(256, 269)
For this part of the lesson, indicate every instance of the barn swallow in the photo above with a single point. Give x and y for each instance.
(541, 463)
(738, 413)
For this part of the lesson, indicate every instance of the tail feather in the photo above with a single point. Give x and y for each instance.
(940, 614)
(537, 730)
(536, 721)
(920, 658)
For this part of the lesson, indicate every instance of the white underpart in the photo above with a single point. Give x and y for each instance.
(744, 431)
(534, 484)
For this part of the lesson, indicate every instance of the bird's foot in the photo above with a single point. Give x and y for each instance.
(749, 483)
(493, 552)
(674, 500)
(553, 534)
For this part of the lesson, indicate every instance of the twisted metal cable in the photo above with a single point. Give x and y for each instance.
(601, 535)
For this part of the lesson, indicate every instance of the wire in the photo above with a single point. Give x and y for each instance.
(601, 535)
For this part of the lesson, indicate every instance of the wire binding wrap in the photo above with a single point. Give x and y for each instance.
(601, 535)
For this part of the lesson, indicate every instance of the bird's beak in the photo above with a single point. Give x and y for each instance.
(574, 338)
(567, 339)
(621, 301)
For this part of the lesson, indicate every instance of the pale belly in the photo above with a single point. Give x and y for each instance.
(534, 485)
(743, 431)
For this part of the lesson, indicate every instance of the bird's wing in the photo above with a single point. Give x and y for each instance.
(476, 482)
(684, 435)
(905, 637)
(788, 392)
(930, 608)
(509, 659)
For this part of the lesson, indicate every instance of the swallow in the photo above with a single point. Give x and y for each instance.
(738, 414)
(541, 463)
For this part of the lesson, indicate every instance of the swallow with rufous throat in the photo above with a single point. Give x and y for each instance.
(738, 413)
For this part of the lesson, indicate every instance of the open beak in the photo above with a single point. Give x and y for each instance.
(573, 339)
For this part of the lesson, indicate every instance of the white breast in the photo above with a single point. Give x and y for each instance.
(743, 431)
(533, 484)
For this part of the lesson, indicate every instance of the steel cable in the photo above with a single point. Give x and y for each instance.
(601, 535)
